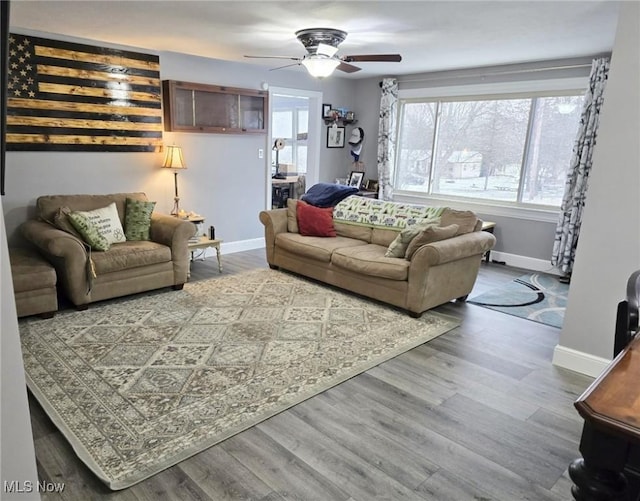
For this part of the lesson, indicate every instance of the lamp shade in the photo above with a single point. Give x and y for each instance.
(320, 66)
(173, 158)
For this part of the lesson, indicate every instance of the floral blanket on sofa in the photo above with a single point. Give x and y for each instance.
(383, 214)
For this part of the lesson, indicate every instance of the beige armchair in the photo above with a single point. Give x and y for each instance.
(126, 268)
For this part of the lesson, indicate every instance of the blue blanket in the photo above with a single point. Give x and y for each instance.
(328, 194)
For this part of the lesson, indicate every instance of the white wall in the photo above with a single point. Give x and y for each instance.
(609, 245)
(17, 459)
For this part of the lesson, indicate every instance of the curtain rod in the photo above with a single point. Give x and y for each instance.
(499, 73)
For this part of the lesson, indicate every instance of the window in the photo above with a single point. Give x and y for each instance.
(285, 122)
(511, 150)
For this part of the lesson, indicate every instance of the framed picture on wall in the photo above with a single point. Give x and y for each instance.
(335, 137)
(326, 108)
(355, 179)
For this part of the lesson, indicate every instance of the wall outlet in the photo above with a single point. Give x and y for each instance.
(260, 153)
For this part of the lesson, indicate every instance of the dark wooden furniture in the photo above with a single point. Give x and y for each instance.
(193, 107)
(610, 445)
(488, 226)
(367, 193)
(281, 190)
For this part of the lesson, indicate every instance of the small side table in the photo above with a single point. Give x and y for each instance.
(488, 226)
(205, 243)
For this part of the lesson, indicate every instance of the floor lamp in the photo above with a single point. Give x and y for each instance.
(173, 160)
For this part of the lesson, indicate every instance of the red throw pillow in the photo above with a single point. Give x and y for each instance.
(315, 221)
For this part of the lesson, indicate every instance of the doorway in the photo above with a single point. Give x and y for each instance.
(293, 156)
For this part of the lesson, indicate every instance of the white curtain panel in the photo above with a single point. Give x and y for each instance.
(575, 189)
(387, 137)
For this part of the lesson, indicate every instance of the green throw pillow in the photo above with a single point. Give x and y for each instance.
(89, 232)
(137, 219)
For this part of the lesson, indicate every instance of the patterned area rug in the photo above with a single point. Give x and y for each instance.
(538, 296)
(140, 383)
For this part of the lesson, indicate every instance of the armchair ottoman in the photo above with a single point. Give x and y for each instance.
(34, 284)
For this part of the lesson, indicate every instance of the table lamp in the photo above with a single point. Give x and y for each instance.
(173, 160)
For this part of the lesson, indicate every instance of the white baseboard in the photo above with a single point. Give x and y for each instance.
(242, 245)
(528, 263)
(578, 361)
(237, 246)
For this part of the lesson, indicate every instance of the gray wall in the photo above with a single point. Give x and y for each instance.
(17, 456)
(225, 180)
(522, 237)
(368, 103)
(609, 246)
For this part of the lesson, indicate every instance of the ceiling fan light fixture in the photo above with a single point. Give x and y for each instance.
(326, 50)
(320, 66)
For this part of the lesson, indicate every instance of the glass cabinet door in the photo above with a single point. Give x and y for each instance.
(190, 107)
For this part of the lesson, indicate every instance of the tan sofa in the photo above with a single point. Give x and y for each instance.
(126, 268)
(354, 260)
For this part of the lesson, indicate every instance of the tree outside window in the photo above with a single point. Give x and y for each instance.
(508, 150)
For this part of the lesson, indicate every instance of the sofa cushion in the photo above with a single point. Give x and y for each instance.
(29, 271)
(89, 232)
(318, 248)
(465, 219)
(137, 221)
(398, 248)
(130, 254)
(48, 205)
(353, 231)
(107, 222)
(383, 237)
(315, 221)
(430, 234)
(292, 215)
(370, 260)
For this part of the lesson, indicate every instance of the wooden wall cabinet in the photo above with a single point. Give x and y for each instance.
(193, 107)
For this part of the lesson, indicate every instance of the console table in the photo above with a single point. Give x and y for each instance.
(281, 189)
(610, 445)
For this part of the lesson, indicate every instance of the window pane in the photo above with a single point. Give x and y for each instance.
(302, 159)
(303, 121)
(282, 125)
(414, 146)
(553, 132)
(480, 147)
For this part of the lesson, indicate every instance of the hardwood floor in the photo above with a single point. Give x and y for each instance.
(476, 414)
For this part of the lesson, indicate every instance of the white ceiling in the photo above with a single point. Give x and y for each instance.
(430, 35)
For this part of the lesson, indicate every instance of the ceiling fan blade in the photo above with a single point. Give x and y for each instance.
(389, 58)
(285, 66)
(274, 57)
(347, 68)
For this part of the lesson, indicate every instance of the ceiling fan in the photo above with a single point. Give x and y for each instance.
(321, 58)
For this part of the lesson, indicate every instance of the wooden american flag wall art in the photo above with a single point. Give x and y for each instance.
(65, 96)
